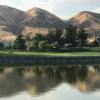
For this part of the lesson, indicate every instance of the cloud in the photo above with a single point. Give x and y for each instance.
(97, 10)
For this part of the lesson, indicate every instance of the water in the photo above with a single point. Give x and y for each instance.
(68, 82)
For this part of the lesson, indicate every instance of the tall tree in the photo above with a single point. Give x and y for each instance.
(50, 37)
(20, 43)
(58, 39)
(37, 42)
(53, 38)
(1, 45)
(82, 37)
(69, 36)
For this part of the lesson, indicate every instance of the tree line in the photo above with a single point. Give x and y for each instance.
(56, 39)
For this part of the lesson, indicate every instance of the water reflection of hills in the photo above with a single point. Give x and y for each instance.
(40, 79)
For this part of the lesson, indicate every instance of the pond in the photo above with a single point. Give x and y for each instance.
(68, 82)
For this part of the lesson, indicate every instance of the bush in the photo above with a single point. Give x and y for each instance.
(42, 45)
(1, 45)
(20, 43)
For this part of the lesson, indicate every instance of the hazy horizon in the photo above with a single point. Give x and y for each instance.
(62, 8)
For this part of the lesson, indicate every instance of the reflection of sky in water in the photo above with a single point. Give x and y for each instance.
(62, 92)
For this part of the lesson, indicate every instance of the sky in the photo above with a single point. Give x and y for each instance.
(62, 8)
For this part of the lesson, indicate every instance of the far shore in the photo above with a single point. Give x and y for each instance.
(30, 58)
(71, 52)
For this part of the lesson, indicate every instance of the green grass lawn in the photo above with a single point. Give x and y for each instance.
(84, 52)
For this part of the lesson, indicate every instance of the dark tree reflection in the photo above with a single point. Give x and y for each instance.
(40, 79)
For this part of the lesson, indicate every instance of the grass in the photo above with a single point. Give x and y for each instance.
(84, 52)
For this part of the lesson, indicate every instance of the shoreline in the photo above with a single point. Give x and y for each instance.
(47, 60)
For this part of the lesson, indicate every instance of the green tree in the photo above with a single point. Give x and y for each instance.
(50, 37)
(58, 39)
(32, 44)
(38, 40)
(42, 45)
(81, 37)
(53, 38)
(39, 37)
(69, 36)
(1, 45)
(54, 45)
(20, 43)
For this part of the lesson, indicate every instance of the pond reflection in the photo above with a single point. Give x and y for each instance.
(39, 80)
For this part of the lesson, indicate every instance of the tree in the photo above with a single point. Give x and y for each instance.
(20, 43)
(81, 37)
(28, 42)
(42, 45)
(37, 42)
(32, 44)
(39, 37)
(54, 45)
(58, 39)
(50, 37)
(53, 38)
(1, 45)
(69, 36)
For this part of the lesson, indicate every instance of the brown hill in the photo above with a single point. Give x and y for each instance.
(36, 20)
(9, 23)
(37, 17)
(10, 19)
(88, 20)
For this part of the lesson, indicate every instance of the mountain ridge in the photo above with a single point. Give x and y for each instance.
(37, 17)
(90, 21)
(35, 20)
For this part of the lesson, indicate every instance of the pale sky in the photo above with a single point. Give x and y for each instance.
(62, 8)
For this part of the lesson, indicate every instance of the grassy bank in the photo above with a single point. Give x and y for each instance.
(74, 52)
(24, 58)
